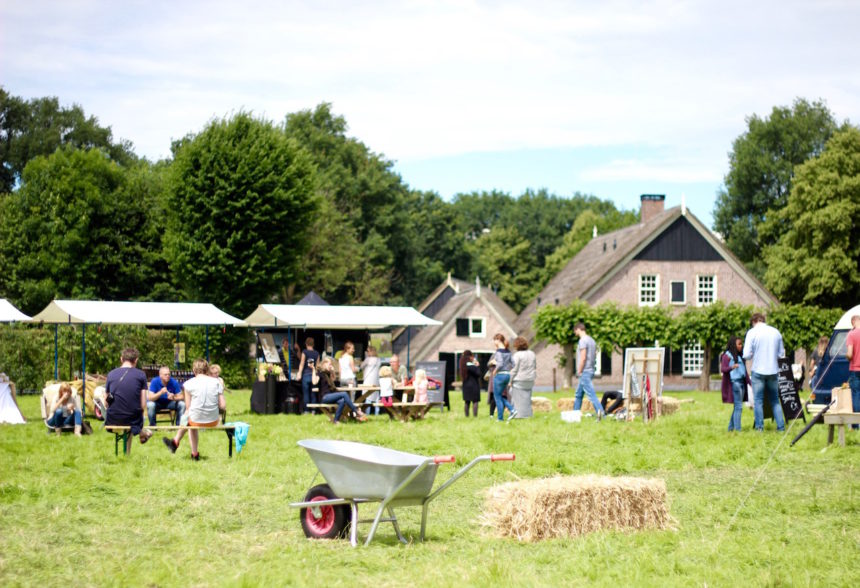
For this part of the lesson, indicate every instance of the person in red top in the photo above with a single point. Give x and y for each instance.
(853, 354)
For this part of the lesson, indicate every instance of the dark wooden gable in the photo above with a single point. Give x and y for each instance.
(434, 307)
(679, 242)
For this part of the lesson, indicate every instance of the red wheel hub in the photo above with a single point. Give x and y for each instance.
(320, 519)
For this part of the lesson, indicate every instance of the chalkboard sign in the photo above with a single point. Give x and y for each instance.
(435, 370)
(789, 399)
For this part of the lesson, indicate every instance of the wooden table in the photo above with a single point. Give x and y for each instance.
(405, 411)
(840, 420)
(358, 394)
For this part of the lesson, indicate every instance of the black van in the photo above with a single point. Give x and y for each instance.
(833, 368)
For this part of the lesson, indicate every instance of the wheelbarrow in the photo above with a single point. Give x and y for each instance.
(358, 473)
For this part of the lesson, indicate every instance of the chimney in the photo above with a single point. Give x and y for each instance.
(652, 205)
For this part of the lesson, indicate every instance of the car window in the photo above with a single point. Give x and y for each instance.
(837, 347)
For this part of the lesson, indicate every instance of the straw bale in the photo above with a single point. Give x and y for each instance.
(670, 404)
(541, 404)
(567, 404)
(564, 403)
(569, 506)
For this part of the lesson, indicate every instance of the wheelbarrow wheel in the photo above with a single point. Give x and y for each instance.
(324, 522)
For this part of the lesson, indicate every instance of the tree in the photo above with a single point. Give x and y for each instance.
(505, 263)
(241, 196)
(816, 255)
(555, 324)
(711, 326)
(79, 226)
(761, 171)
(39, 126)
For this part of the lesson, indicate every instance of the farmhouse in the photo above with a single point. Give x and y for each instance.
(669, 258)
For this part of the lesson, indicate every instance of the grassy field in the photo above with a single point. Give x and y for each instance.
(73, 513)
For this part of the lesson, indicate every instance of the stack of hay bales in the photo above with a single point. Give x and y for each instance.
(532, 510)
(541, 404)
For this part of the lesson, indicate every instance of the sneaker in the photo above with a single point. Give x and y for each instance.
(513, 415)
(170, 444)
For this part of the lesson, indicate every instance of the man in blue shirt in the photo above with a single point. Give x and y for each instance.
(164, 393)
(763, 345)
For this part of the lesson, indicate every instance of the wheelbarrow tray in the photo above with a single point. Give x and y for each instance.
(368, 472)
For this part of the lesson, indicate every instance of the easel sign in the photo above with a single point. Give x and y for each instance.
(644, 365)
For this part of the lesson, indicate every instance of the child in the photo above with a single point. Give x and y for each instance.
(215, 372)
(420, 383)
(386, 386)
(370, 372)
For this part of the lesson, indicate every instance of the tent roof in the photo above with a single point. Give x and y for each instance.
(845, 322)
(337, 317)
(9, 313)
(134, 313)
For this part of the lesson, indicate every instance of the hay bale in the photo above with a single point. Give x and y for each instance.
(541, 404)
(564, 403)
(532, 510)
(670, 404)
(567, 404)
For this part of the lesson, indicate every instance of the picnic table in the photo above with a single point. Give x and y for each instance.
(840, 420)
(358, 394)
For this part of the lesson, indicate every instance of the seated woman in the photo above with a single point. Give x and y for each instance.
(204, 397)
(64, 411)
(330, 395)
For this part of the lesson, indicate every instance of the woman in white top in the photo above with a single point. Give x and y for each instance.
(347, 365)
(204, 399)
(370, 375)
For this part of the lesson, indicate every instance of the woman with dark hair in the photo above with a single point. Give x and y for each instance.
(815, 362)
(470, 374)
(523, 375)
(735, 380)
(330, 395)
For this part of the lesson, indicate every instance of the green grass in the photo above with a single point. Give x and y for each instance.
(72, 512)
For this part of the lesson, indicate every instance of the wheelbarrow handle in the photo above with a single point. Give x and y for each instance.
(444, 459)
(503, 457)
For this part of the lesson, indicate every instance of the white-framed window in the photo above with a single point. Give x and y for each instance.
(649, 289)
(598, 363)
(706, 290)
(692, 359)
(476, 326)
(678, 292)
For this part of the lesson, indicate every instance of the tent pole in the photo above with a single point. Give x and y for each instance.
(56, 351)
(84, 370)
(408, 339)
(176, 355)
(207, 343)
(289, 348)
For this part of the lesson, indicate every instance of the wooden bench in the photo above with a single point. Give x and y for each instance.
(840, 420)
(123, 432)
(330, 409)
(404, 411)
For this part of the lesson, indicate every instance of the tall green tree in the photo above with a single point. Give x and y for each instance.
(504, 261)
(30, 128)
(79, 226)
(815, 257)
(241, 196)
(761, 172)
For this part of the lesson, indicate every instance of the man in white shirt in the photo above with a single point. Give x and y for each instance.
(763, 347)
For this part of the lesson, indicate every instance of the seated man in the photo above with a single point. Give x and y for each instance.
(126, 393)
(164, 393)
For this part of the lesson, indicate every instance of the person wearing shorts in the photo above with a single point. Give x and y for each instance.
(204, 399)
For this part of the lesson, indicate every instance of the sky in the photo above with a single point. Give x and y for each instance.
(612, 98)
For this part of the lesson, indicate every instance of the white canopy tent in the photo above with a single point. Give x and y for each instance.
(10, 314)
(371, 318)
(337, 317)
(101, 312)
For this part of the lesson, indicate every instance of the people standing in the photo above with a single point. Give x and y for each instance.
(815, 370)
(763, 346)
(307, 364)
(126, 392)
(523, 375)
(347, 365)
(370, 376)
(586, 353)
(735, 380)
(852, 352)
(470, 375)
(502, 376)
